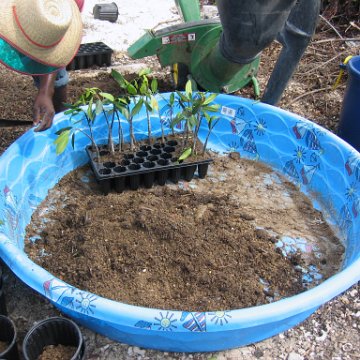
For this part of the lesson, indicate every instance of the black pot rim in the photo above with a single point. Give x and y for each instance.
(80, 346)
(13, 341)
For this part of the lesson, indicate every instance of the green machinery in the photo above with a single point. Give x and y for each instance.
(223, 54)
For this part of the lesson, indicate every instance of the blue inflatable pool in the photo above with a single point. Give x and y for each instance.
(310, 156)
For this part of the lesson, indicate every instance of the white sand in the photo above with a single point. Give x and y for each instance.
(135, 17)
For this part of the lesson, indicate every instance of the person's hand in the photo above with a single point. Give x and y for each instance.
(44, 111)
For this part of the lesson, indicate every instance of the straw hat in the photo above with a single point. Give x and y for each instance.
(47, 32)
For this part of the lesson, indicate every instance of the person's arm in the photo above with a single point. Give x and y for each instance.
(43, 106)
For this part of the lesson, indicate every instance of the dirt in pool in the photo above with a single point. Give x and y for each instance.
(243, 236)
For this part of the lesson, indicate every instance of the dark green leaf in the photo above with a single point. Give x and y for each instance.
(59, 132)
(136, 109)
(119, 79)
(131, 89)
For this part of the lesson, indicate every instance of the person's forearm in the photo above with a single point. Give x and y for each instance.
(47, 84)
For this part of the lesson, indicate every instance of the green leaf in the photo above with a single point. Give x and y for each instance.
(207, 117)
(154, 86)
(89, 111)
(209, 99)
(99, 107)
(136, 109)
(121, 102)
(62, 141)
(67, 105)
(59, 132)
(131, 89)
(178, 118)
(73, 140)
(119, 79)
(182, 96)
(148, 106)
(192, 121)
(188, 88)
(154, 103)
(172, 99)
(145, 81)
(143, 88)
(107, 96)
(145, 72)
(185, 154)
(212, 108)
(125, 112)
(195, 108)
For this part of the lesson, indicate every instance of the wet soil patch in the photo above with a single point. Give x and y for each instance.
(209, 244)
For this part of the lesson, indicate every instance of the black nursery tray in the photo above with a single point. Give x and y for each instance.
(150, 165)
(90, 54)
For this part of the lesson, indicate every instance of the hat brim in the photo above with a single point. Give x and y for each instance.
(15, 60)
(57, 56)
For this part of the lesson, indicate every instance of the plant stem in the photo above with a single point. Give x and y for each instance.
(149, 125)
(162, 128)
(91, 136)
(93, 143)
(110, 139)
(131, 134)
(208, 135)
(120, 132)
(196, 132)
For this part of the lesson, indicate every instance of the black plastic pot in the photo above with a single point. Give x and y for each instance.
(90, 54)
(152, 164)
(107, 12)
(202, 170)
(8, 335)
(53, 331)
(3, 310)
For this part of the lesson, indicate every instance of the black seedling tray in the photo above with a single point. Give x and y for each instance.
(150, 165)
(90, 54)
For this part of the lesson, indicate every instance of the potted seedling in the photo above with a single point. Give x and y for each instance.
(144, 163)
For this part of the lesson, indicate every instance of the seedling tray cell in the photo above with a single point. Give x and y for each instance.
(90, 54)
(150, 165)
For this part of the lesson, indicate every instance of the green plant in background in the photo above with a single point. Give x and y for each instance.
(195, 106)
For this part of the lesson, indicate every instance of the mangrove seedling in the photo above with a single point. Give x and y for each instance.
(88, 98)
(195, 106)
(124, 103)
(116, 106)
(148, 95)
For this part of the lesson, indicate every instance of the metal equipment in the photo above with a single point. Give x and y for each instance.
(223, 54)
